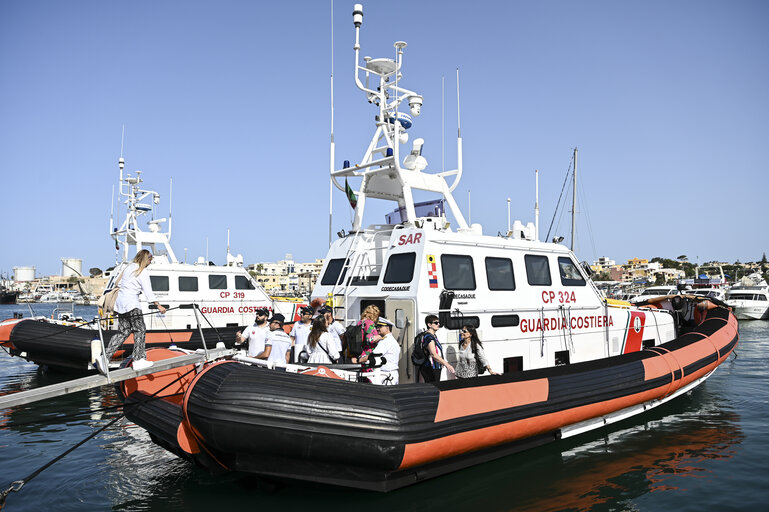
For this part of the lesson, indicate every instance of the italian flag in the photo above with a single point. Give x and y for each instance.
(350, 194)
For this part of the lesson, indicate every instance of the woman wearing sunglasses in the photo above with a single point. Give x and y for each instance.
(431, 370)
(472, 359)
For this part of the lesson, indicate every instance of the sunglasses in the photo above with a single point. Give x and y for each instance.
(435, 323)
(465, 330)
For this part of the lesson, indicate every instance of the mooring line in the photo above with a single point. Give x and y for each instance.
(17, 485)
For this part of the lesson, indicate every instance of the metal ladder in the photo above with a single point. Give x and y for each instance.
(357, 263)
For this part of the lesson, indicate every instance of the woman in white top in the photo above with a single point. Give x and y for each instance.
(472, 358)
(130, 319)
(319, 343)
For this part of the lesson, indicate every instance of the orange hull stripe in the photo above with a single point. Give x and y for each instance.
(416, 454)
(162, 337)
(6, 326)
(655, 367)
(457, 403)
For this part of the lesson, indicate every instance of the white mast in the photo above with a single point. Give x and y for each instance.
(536, 205)
(331, 149)
(129, 233)
(574, 205)
(383, 175)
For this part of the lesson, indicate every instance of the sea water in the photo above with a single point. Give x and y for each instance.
(706, 450)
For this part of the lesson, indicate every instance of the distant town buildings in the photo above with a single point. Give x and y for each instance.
(287, 277)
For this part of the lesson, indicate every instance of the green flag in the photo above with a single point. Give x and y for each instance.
(350, 194)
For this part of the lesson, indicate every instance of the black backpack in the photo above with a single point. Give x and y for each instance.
(418, 354)
(353, 336)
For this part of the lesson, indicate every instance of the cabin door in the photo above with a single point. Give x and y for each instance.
(401, 313)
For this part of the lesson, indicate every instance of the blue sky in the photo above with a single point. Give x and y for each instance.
(667, 102)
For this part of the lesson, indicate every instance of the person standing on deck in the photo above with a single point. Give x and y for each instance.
(431, 370)
(335, 329)
(255, 334)
(277, 345)
(301, 331)
(133, 282)
(389, 349)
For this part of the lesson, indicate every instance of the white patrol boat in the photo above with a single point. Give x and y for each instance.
(206, 302)
(567, 361)
(531, 302)
(226, 295)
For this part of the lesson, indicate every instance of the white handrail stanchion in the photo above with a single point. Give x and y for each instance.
(103, 350)
(195, 308)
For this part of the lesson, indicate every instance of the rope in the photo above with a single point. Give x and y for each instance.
(559, 197)
(218, 335)
(16, 485)
(72, 328)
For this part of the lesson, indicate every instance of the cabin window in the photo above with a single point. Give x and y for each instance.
(537, 270)
(188, 284)
(512, 364)
(333, 269)
(159, 283)
(743, 296)
(562, 358)
(455, 323)
(243, 283)
(217, 282)
(499, 274)
(505, 321)
(570, 275)
(458, 272)
(400, 268)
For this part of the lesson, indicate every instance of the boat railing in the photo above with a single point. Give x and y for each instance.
(513, 310)
(347, 371)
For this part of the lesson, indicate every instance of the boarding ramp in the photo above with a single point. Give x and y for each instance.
(95, 381)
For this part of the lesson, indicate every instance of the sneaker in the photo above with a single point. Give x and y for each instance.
(141, 364)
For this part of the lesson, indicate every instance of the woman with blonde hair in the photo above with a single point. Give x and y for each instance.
(370, 335)
(133, 281)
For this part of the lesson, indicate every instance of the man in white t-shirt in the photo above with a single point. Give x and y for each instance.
(389, 349)
(277, 343)
(301, 331)
(255, 334)
(335, 329)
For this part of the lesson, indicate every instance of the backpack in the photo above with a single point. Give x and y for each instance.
(418, 354)
(353, 335)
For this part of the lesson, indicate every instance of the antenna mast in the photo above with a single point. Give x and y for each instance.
(331, 149)
(574, 204)
(536, 205)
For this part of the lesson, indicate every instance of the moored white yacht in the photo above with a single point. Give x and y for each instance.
(750, 298)
(654, 292)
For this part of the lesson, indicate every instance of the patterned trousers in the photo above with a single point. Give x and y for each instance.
(131, 322)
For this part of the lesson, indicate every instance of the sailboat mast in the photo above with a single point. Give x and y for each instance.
(574, 204)
(536, 205)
